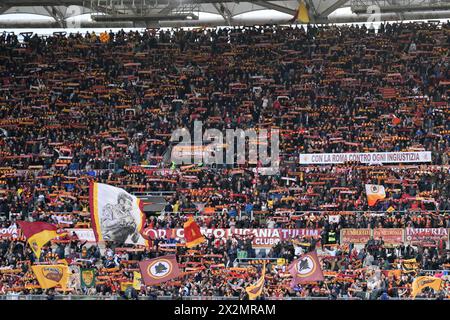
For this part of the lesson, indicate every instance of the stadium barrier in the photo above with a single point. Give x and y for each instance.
(9, 297)
(294, 214)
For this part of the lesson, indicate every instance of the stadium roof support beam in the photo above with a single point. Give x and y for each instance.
(57, 15)
(134, 18)
(3, 9)
(404, 8)
(31, 3)
(269, 5)
(312, 12)
(387, 17)
(224, 12)
(332, 8)
(169, 8)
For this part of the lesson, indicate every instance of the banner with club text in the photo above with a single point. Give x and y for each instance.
(369, 158)
(262, 237)
(395, 236)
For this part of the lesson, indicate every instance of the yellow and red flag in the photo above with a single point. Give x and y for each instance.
(423, 282)
(255, 290)
(374, 193)
(50, 276)
(38, 234)
(192, 233)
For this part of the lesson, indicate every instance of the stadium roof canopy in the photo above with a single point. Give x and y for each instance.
(160, 13)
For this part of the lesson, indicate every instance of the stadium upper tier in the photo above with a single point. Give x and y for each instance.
(71, 105)
(177, 13)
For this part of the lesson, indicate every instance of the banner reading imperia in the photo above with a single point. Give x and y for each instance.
(425, 236)
(395, 236)
(370, 157)
(262, 237)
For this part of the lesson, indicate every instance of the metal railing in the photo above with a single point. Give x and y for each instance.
(111, 297)
(185, 298)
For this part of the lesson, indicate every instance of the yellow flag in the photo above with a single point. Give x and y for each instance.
(137, 280)
(50, 276)
(301, 15)
(423, 282)
(125, 285)
(390, 209)
(410, 265)
(255, 290)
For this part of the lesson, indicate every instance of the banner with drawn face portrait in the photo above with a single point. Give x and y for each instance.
(116, 215)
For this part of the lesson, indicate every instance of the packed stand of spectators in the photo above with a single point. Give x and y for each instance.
(75, 108)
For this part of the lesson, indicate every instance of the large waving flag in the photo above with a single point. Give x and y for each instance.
(306, 269)
(255, 290)
(116, 215)
(38, 234)
(301, 15)
(158, 270)
(192, 233)
(50, 276)
(423, 282)
(374, 193)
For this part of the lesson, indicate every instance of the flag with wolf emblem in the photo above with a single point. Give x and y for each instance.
(116, 215)
(50, 276)
(374, 193)
(158, 270)
(87, 278)
(423, 282)
(306, 269)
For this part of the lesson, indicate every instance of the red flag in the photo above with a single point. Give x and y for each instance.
(192, 233)
(159, 270)
(306, 269)
(396, 120)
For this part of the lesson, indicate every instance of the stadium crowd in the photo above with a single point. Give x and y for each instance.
(76, 108)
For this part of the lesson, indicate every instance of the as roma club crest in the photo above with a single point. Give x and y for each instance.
(52, 273)
(305, 267)
(160, 268)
